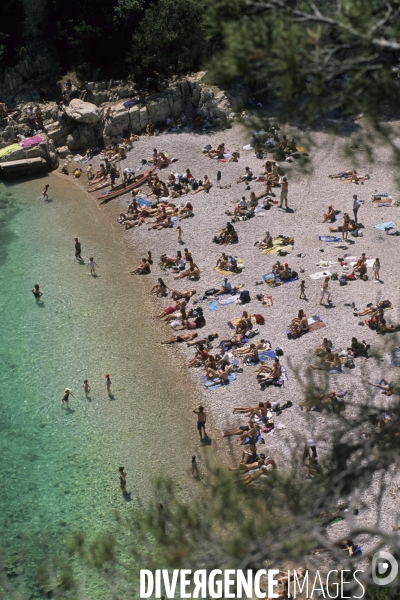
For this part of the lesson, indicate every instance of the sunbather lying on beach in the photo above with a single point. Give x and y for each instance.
(373, 309)
(389, 388)
(318, 400)
(221, 376)
(236, 340)
(246, 467)
(330, 360)
(226, 288)
(192, 273)
(260, 410)
(267, 373)
(383, 327)
(205, 340)
(249, 354)
(250, 431)
(244, 323)
(168, 311)
(248, 478)
(184, 337)
(219, 152)
(177, 295)
(351, 225)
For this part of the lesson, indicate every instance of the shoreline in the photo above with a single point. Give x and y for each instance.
(309, 196)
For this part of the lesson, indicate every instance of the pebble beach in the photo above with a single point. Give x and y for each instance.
(310, 193)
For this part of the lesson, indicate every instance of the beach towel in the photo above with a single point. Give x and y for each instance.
(232, 324)
(329, 238)
(279, 244)
(384, 226)
(267, 301)
(131, 102)
(393, 357)
(35, 139)
(227, 156)
(214, 386)
(228, 300)
(212, 305)
(8, 149)
(143, 202)
(223, 160)
(315, 326)
(265, 355)
(227, 273)
(320, 274)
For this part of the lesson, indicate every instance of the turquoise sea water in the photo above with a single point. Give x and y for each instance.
(59, 466)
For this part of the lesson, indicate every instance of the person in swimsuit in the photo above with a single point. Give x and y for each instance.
(201, 421)
(91, 265)
(37, 292)
(122, 478)
(46, 187)
(108, 383)
(195, 470)
(78, 249)
(86, 387)
(65, 396)
(185, 337)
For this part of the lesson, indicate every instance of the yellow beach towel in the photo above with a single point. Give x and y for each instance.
(278, 244)
(8, 149)
(227, 273)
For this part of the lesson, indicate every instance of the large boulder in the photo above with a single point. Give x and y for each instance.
(83, 112)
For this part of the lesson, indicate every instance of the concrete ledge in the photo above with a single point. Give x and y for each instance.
(21, 168)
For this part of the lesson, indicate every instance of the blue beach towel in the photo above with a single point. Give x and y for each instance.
(211, 387)
(212, 305)
(267, 355)
(143, 202)
(384, 226)
(329, 238)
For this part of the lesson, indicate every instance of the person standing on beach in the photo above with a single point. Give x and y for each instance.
(108, 383)
(86, 387)
(376, 267)
(356, 206)
(284, 191)
(325, 291)
(201, 421)
(122, 478)
(91, 265)
(46, 187)
(195, 464)
(302, 287)
(78, 249)
(65, 396)
(310, 450)
(180, 232)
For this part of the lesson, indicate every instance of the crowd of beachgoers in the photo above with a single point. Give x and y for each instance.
(263, 263)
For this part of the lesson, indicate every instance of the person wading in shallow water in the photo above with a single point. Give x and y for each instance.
(78, 249)
(65, 397)
(122, 478)
(108, 382)
(37, 292)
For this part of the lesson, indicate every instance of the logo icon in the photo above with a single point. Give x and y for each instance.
(384, 563)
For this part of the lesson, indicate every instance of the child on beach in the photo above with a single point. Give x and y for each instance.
(86, 387)
(302, 287)
(108, 382)
(180, 232)
(65, 396)
(91, 264)
(122, 478)
(46, 187)
(195, 464)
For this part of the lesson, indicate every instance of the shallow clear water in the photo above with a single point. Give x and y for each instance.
(59, 466)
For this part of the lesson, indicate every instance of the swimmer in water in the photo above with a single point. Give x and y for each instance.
(65, 397)
(78, 249)
(86, 387)
(46, 187)
(91, 264)
(108, 382)
(122, 478)
(37, 292)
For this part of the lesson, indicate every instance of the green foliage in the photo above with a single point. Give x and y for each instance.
(10, 33)
(171, 36)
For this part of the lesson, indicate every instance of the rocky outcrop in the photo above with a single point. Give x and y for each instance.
(82, 112)
(45, 150)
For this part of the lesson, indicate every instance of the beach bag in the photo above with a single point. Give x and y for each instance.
(350, 277)
(334, 276)
(244, 296)
(259, 319)
(365, 277)
(354, 233)
(200, 321)
(195, 185)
